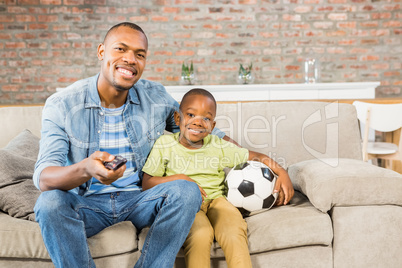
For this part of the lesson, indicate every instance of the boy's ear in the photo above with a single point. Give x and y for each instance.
(177, 118)
(213, 125)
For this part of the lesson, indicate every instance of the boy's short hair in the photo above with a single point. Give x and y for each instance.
(197, 91)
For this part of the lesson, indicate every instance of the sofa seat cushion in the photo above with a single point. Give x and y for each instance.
(346, 182)
(22, 239)
(297, 224)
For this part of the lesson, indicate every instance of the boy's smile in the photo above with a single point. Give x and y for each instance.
(196, 120)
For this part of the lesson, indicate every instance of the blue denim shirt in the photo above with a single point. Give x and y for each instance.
(72, 122)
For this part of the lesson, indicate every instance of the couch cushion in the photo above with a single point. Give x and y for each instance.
(17, 161)
(22, 239)
(346, 182)
(297, 224)
(372, 233)
(294, 225)
(15, 119)
(290, 132)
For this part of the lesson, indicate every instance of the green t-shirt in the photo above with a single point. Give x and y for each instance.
(204, 165)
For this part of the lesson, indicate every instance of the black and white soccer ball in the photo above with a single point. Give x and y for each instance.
(250, 187)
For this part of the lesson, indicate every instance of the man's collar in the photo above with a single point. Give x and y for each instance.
(132, 96)
(92, 99)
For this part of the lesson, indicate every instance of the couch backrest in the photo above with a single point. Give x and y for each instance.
(290, 132)
(15, 119)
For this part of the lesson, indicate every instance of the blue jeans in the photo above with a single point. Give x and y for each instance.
(67, 219)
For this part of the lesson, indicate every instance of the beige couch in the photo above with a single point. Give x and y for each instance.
(345, 213)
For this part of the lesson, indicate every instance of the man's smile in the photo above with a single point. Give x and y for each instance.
(127, 71)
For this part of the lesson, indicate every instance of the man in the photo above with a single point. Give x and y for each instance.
(85, 126)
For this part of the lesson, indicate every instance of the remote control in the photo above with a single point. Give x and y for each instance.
(117, 162)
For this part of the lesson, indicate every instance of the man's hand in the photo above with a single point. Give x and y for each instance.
(69, 177)
(95, 168)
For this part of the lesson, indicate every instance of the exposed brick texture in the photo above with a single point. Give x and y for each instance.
(45, 44)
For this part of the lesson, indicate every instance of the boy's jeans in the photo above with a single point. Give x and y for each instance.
(67, 219)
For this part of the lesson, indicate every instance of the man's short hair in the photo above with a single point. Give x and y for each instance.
(125, 24)
(198, 91)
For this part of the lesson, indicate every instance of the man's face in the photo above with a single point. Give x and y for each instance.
(123, 57)
(196, 120)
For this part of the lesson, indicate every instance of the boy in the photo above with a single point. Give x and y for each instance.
(195, 155)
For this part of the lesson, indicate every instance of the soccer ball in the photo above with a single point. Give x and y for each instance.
(250, 187)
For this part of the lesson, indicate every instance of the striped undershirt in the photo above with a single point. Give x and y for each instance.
(114, 140)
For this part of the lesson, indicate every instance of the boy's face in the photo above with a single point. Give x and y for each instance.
(196, 120)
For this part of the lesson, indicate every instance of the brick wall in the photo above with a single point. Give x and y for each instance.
(45, 44)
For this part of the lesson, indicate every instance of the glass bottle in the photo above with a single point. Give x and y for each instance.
(311, 69)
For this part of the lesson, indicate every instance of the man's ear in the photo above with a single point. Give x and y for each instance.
(177, 118)
(101, 51)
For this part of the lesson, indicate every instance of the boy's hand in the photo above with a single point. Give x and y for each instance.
(187, 178)
(284, 188)
(283, 185)
(203, 193)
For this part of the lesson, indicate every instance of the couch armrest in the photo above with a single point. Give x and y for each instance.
(346, 182)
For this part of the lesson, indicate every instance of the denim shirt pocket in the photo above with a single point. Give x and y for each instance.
(155, 131)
